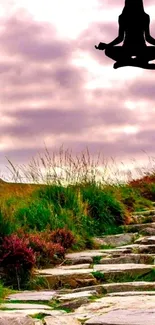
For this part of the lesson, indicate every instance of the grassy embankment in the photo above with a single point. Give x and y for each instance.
(85, 206)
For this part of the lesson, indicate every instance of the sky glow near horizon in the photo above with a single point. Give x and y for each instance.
(56, 88)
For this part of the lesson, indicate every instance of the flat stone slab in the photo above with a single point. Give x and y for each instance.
(24, 306)
(128, 286)
(6, 319)
(137, 219)
(139, 226)
(61, 271)
(104, 305)
(25, 312)
(84, 257)
(61, 320)
(59, 277)
(97, 267)
(145, 212)
(147, 231)
(148, 240)
(33, 295)
(141, 248)
(125, 317)
(74, 267)
(83, 277)
(119, 250)
(89, 253)
(129, 258)
(75, 295)
(115, 240)
(131, 293)
(123, 267)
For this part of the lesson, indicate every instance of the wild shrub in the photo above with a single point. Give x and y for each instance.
(17, 261)
(146, 186)
(47, 253)
(64, 237)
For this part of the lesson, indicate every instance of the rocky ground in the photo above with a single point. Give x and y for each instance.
(114, 285)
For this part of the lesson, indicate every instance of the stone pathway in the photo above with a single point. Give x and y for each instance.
(114, 286)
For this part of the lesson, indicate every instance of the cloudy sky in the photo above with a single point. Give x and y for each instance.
(56, 89)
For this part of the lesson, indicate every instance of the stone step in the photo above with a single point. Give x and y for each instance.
(128, 286)
(59, 277)
(148, 231)
(21, 317)
(118, 310)
(145, 212)
(73, 278)
(115, 287)
(141, 249)
(146, 240)
(112, 253)
(91, 255)
(24, 306)
(114, 271)
(138, 227)
(142, 219)
(129, 258)
(145, 216)
(124, 317)
(26, 295)
(131, 294)
(84, 256)
(115, 240)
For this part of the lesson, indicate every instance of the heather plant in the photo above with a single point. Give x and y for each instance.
(17, 261)
(47, 253)
(64, 237)
(145, 186)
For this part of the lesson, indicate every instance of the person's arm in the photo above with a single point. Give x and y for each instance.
(120, 37)
(148, 37)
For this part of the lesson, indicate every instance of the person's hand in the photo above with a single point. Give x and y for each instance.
(101, 46)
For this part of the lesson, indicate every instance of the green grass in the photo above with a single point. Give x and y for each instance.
(87, 207)
(37, 283)
(94, 208)
(97, 259)
(40, 316)
(126, 277)
(4, 292)
(99, 275)
(107, 246)
(149, 277)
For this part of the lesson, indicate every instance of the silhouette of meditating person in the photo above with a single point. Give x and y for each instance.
(133, 30)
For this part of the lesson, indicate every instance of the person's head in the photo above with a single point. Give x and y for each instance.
(133, 6)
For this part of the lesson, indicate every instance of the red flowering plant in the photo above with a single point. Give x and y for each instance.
(64, 237)
(17, 260)
(47, 253)
(145, 185)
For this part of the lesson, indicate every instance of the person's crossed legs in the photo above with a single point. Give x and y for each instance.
(124, 55)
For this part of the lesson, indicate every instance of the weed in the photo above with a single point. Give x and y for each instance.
(98, 275)
(97, 259)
